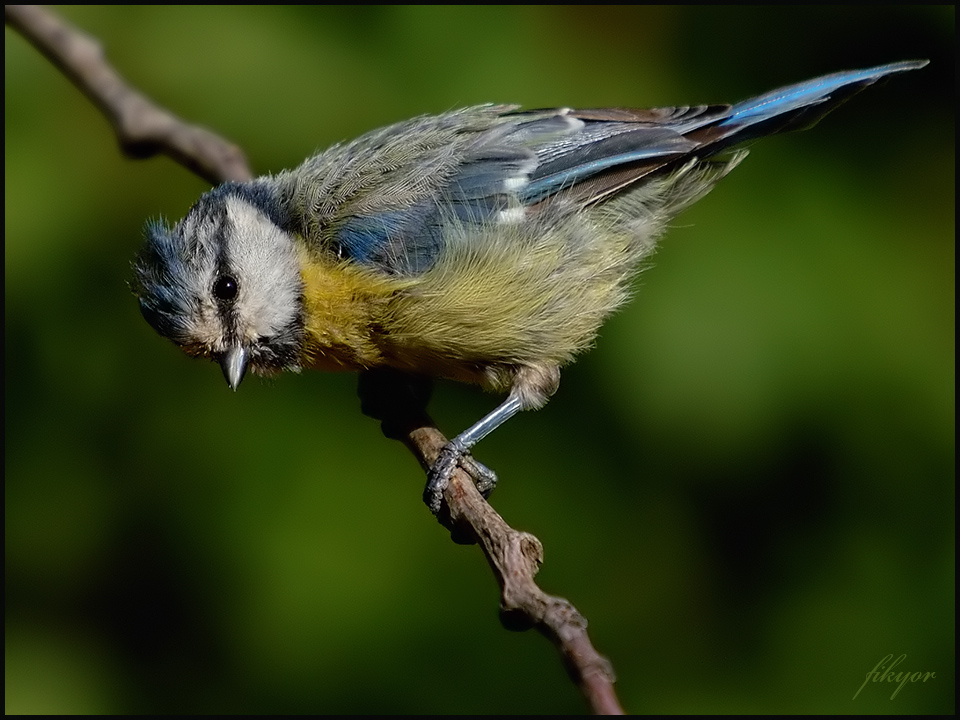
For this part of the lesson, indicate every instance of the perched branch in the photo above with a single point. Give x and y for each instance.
(143, 129)
(399, 402)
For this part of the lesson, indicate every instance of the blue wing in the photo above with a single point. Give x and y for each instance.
(528, 157)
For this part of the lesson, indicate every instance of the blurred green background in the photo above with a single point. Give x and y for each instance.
(747, 487)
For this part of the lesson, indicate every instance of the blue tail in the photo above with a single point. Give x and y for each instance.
(800, 106)
(617, 147)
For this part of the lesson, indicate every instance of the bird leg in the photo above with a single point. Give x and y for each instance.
(456, 452)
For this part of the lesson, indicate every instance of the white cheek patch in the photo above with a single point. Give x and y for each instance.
(264, 258)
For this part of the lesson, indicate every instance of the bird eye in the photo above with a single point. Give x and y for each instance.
(225, 288)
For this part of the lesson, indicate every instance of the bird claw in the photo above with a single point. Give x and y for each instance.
(483, 477)
(438, 478)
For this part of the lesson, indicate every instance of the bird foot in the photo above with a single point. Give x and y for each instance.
(452, 455)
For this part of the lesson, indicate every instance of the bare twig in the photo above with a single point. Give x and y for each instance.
(515, 558)
(144, 129)
(399, 402)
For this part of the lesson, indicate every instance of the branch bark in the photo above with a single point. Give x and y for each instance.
(399, 402)
(144, 129)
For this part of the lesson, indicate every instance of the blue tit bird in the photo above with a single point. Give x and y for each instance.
(485, 245)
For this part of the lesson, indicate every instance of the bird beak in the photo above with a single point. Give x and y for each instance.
(234, 364)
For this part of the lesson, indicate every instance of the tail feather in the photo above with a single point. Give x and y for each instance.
(636, 143)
